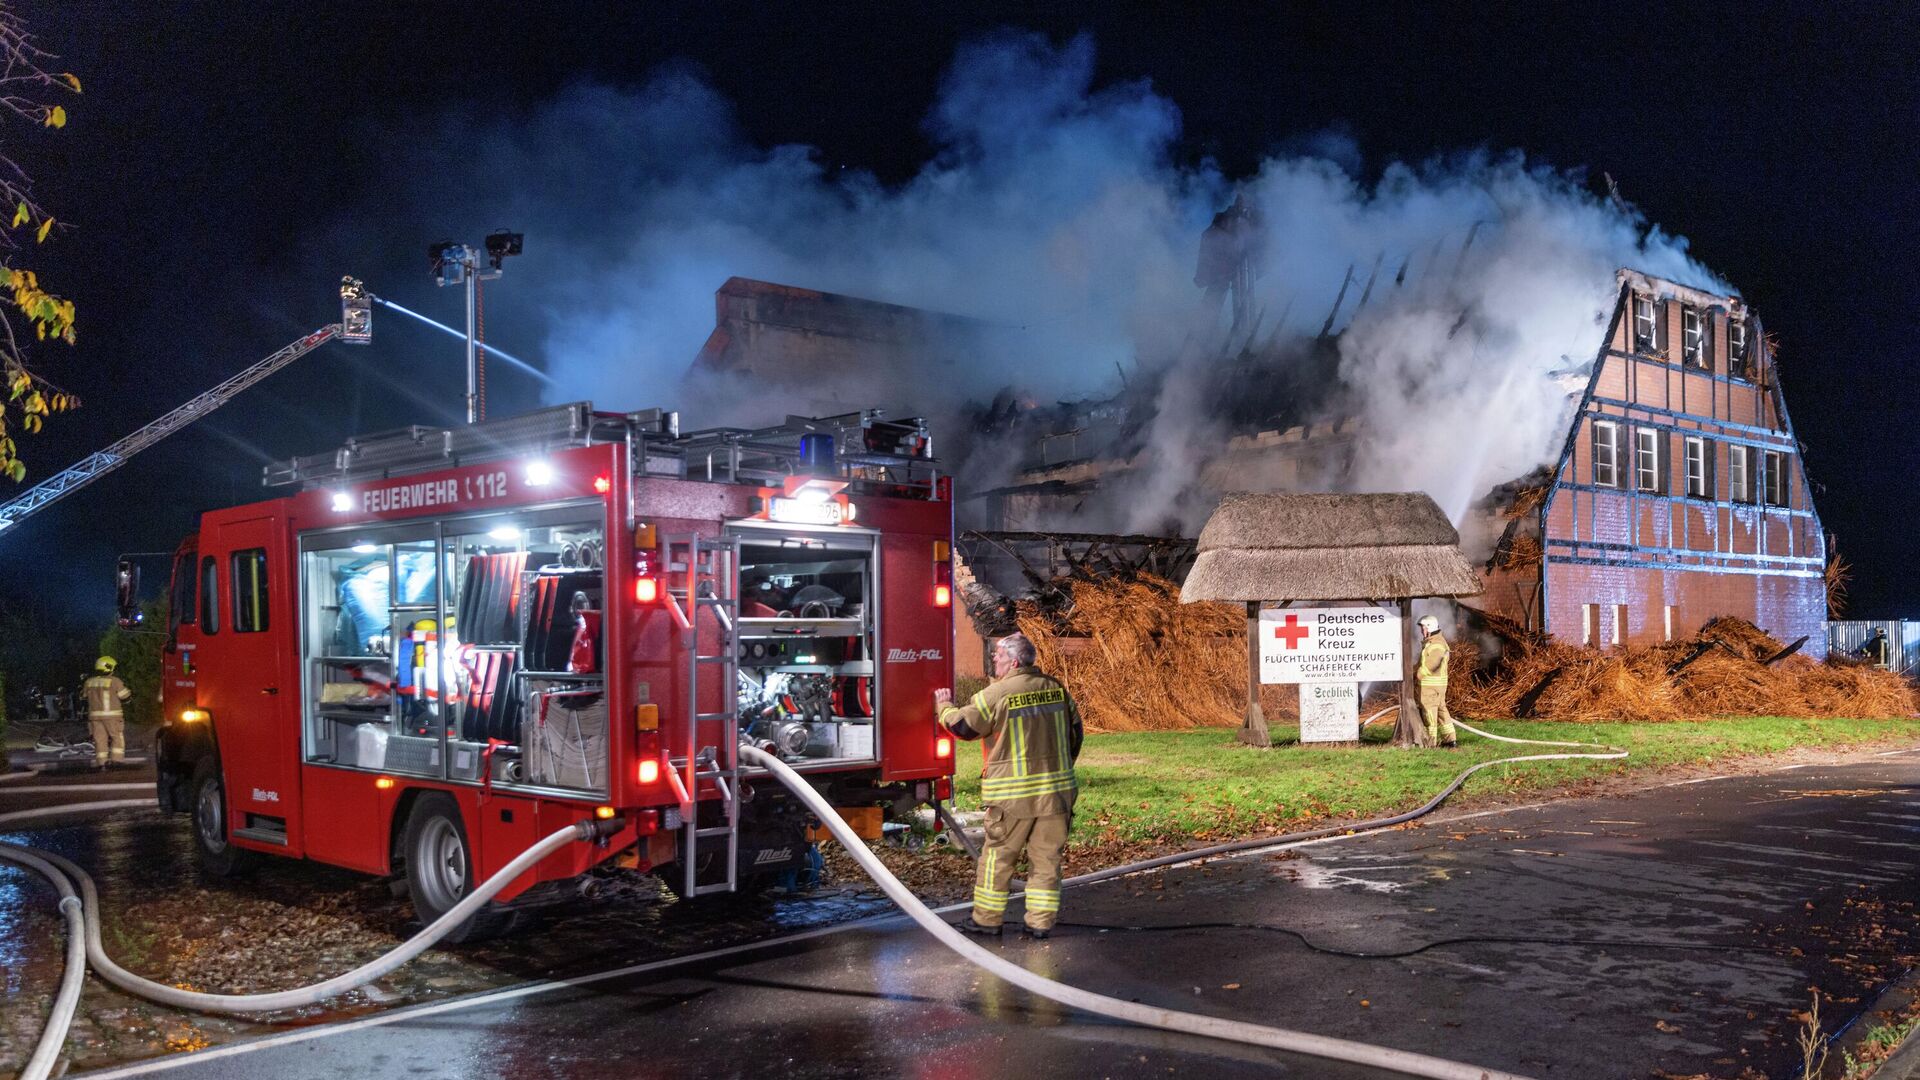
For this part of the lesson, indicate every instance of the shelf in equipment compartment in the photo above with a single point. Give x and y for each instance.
(791, 628)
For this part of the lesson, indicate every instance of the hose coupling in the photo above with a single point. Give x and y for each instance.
(594, 830)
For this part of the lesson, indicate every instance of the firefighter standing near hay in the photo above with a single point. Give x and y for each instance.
(1875, 650)
(1032, 735)
(1432, 673)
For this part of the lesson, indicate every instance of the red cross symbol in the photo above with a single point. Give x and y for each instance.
(1292, 633)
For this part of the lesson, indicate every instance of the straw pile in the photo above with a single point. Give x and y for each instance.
(1137, 659)
(1553, 681)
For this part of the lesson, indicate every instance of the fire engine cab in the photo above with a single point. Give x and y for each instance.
(442, 645)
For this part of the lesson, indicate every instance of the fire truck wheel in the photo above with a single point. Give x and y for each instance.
(440, 870)
(218, 857)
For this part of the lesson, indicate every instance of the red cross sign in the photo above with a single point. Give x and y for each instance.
(1292, 633)
(1329, 645)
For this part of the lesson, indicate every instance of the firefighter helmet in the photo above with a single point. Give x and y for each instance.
(1429, 624)
(105, 665)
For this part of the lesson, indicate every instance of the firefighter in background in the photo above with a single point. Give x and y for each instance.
(1032, 734)
(105, 695)
(1432, 673)
(1875, 650)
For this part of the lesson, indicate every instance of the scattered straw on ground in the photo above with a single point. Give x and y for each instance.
(1553, 681)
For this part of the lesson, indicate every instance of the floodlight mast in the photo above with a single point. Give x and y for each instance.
(459, 264)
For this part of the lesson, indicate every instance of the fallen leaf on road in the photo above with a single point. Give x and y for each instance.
(1229, 986)
(1662, 1025)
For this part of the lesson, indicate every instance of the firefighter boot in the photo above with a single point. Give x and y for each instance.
(968, 926)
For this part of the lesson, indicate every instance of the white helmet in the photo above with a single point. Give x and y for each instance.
(1429, 624)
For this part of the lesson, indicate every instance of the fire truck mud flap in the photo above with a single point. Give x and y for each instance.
(177, 748)
(774, 849)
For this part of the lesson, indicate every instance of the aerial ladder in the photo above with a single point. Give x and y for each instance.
(354, 328)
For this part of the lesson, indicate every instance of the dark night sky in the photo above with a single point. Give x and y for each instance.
(211, 146)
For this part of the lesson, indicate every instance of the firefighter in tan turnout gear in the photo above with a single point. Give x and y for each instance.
(105, 696)
(1432, 673)
(1032, 734)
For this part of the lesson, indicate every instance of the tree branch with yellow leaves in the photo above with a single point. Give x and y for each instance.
(30, 90)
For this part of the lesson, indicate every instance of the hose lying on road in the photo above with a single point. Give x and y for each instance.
(66, 1000)
(83, 919)
(284, 999)
(1300, 1042)
(1596, 752)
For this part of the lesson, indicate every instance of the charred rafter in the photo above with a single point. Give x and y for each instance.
(1039, 567)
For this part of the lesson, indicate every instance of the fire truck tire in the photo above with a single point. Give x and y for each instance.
(440, 870)
(208, 805)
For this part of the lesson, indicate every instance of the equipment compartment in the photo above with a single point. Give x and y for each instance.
(467, 649)
(805, 643)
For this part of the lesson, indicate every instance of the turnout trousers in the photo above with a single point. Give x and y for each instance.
(1433, 710)
(1043, 839)
(109, 736)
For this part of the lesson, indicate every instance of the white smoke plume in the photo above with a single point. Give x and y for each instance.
(1450, 370)
(1057, 209)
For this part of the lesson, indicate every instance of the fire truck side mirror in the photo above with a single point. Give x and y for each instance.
(126, 582)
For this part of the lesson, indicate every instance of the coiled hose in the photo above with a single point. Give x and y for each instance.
(83, 928)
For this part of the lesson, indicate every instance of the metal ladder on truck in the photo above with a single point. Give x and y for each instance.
(703, 575)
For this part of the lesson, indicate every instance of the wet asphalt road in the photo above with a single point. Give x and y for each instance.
(1673, 930)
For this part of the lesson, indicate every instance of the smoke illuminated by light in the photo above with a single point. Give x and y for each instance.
(1058, 213)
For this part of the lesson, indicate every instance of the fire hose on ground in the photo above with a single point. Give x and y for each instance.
(83, 921)
(81, 909)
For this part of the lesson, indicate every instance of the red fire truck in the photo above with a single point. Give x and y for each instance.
(442, 645)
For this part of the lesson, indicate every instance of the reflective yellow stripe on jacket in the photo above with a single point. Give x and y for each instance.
(1001, 788)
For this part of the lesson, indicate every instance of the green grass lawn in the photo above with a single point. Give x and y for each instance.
(1201, 784)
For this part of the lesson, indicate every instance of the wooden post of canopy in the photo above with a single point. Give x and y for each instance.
(1409, 731)
(1253, 731)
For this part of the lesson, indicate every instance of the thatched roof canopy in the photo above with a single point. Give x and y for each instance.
(1328, 547)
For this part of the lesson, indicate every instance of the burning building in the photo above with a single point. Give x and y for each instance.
(1674, 491)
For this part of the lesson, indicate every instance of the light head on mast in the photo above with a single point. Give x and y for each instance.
(356, 312)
